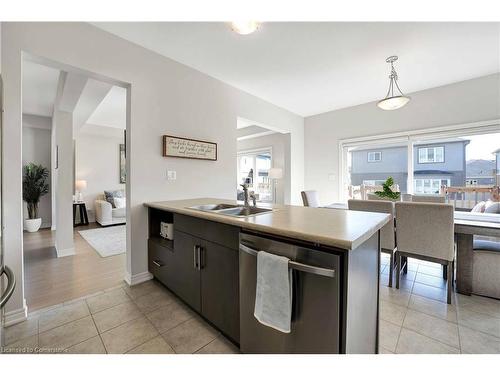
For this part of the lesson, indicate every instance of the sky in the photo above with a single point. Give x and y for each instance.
(482, 146)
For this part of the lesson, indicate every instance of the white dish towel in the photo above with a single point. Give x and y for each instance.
(273, 296)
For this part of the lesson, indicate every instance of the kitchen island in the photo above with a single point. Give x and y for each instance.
(210, 264)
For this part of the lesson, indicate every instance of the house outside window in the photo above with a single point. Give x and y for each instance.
(374, 156)
(431, 154)
(373, 182)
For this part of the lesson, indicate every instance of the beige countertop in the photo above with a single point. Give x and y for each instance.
(331, 227)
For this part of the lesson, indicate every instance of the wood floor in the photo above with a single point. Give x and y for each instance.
(50, 280)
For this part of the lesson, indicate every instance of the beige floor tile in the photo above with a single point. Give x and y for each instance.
(435, 328)
(170, 316)
(90, 346)
(115, 316)
(154, 300)
(479, 304)
(388, 335)
(478, 321)
(384, 351)
(413, 343)
(68, 334)
(404, 283)
(21, 330)
(190, 336)
(396, 296)
(392, 313)
(219, 346)
(435, 281)
(430, 270)
(27, 345)
(129, 335)
(158, 345)
(142, 289)
(106, 300)
(474, 342)
(432, 307)
(428, 291)
(62, 315)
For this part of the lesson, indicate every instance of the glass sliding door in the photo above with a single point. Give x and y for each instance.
(367, 167)
(253, 168)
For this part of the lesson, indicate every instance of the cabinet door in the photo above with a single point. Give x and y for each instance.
(220, 288)
(183, 277)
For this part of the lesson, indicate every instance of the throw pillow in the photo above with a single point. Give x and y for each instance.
(119, 202)
(493, 208)
(111, 194)
(479, 207)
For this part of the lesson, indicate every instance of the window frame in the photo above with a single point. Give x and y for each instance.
(374, 153)
(427, 148)
(410, 138)
(253, 153)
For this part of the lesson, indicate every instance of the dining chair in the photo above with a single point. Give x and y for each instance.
(387, 234)
(310, 198)
(486, 268)
(426, 231)
(428, 198)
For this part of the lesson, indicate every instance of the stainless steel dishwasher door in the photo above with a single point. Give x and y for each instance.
(316, 301)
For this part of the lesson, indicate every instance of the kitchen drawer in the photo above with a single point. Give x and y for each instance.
(222, 234)
(158, 260)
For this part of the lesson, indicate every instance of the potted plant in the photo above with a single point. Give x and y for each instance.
(34, 187)
(387, 192)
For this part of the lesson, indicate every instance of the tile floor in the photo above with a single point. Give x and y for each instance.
(142, 319)
(148, 319)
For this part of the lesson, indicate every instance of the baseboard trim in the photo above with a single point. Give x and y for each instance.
(65, 252)
(16, 316)
(138, 278)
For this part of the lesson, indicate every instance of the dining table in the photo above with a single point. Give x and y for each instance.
(466, 226)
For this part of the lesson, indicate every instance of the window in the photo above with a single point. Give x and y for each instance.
(471, 162)
(374, 156)
(431, 154)
(429, 185)
(253, 166)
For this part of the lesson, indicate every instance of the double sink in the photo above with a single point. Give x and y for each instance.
(232, 209)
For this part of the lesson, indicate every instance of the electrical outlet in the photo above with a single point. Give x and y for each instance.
(171, 175)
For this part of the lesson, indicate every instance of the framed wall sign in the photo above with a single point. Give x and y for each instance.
(179, 147)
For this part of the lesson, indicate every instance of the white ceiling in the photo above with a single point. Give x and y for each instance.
(39, 89)
(112, 110)
(91, 101)
(310, 68)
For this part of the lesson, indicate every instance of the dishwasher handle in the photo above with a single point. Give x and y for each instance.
(328, 272)
(11, 284)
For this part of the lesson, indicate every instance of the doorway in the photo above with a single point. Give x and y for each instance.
(74, 126)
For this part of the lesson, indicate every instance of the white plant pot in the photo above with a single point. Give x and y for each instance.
(32, 225)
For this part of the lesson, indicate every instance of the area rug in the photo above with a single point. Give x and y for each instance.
(106, 241)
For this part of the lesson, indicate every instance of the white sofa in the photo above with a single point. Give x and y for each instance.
(106, 215)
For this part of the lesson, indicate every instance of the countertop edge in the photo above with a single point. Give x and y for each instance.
(242, 223)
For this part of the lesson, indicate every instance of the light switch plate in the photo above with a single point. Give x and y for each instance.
(171, 175)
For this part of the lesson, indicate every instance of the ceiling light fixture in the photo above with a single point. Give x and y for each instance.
(244, 27)
(391, 101)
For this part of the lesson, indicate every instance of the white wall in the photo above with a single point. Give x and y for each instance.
(98, 162)
(464, 102)
(280, 144)
(166, 98)
(36, 149)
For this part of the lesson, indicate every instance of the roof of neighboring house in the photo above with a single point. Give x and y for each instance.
(433, 172)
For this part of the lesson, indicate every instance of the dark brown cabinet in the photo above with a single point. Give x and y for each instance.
(220, 288)
(184, 276)
(201, 266)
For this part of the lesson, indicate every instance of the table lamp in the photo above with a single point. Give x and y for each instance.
(80, 185)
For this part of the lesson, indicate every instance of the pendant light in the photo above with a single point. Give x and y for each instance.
(393, 101)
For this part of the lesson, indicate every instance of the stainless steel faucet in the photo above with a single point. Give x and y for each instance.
(247, 195)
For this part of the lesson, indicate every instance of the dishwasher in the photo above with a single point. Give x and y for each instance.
(316, 299)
